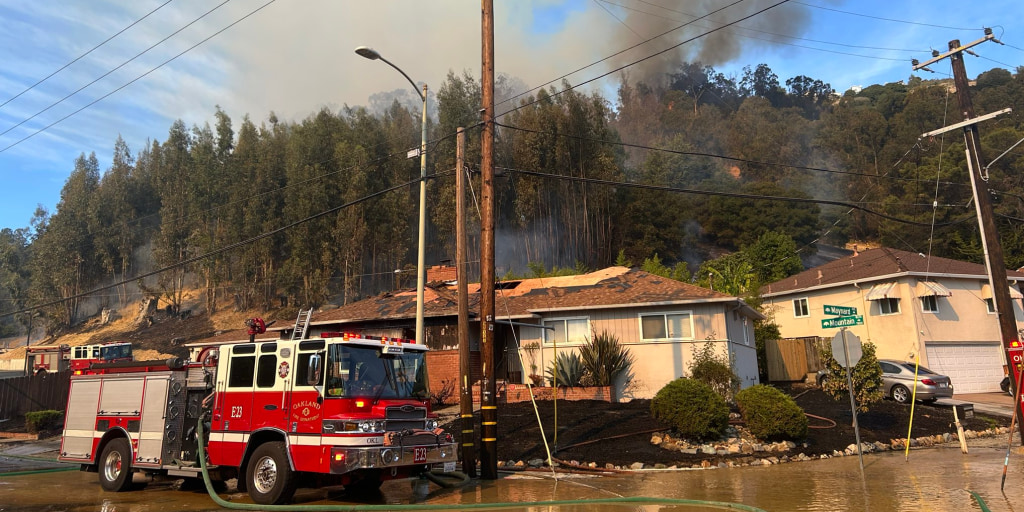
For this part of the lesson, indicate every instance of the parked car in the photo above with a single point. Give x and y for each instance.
(898, 378)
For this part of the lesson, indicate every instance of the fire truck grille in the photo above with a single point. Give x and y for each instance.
(405, 418)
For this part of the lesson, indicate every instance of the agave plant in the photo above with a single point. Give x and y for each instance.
(569, 368)
(605, 359)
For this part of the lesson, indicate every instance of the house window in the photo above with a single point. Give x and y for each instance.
(800, 308)
(990, 305)
(666, 326)
(888, 306)
(567, 331)
(930, 304)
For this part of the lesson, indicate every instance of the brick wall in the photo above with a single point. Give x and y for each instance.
(443, 367)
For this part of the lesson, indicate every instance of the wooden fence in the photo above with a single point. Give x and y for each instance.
(28, 393)
(792, 359)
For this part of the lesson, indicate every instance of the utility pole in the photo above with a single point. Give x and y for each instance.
(994, 262)
(465, 373)
(488, 407)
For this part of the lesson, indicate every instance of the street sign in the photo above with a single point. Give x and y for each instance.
(853, 348)
(842, 321)
(412, 153)
(840, 310)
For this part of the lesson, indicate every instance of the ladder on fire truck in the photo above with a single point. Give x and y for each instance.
(302, 320)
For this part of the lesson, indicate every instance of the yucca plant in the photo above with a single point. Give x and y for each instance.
(605, 359)
(569, 369)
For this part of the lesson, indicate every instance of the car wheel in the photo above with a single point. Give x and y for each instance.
(116, 466)
(269, 477)
(900, 393)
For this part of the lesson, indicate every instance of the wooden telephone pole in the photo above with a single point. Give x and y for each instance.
(488, 407)
(465, 372)
(994, 261)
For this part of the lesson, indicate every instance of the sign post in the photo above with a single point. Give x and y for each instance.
(846, 350)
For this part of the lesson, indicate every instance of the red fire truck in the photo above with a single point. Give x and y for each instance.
(336, 409)
(84, 355)
(47, 358)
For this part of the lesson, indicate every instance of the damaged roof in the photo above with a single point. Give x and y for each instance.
(874, 264)
(606, 288)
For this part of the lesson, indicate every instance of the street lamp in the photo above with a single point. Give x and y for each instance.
(370, 53)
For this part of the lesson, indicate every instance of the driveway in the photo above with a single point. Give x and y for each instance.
(999, 404)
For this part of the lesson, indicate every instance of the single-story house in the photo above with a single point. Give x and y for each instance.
(939, 308)
(659, 320)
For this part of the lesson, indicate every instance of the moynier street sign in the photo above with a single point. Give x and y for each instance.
(840, 310)
(842, 321)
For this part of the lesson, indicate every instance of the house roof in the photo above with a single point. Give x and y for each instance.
(875, 264)
(606, 288)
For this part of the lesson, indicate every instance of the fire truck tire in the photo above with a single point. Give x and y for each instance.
(269, 477)
(116, 466)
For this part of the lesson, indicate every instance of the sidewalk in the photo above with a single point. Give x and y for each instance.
(999, 404)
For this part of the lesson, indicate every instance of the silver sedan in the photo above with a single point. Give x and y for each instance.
(898, 381)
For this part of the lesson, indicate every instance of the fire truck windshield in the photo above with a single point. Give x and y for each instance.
(111, 352)
(361, 371)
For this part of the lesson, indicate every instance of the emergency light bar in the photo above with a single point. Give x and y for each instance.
(384, 340)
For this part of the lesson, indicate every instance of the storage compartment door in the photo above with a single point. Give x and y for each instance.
(80, 422)
(151, 428)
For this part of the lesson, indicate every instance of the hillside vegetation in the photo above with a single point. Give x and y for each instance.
(299, 213)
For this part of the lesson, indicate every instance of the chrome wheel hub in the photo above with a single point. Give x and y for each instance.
(265, 475)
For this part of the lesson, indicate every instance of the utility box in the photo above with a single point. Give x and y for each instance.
(964, 411)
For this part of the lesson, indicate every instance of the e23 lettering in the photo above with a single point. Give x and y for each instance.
(236, 411)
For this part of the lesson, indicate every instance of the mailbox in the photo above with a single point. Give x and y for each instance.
(965, 411)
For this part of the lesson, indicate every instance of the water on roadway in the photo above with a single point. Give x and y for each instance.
(935, 479)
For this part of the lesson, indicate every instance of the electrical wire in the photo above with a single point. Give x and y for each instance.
(123, 64)
(651, 56)
(215, 252)
(164, 63)
(884, 19)
(738, 195)
(620, 52)
(76, 59)
(712, 155)
(782, 35)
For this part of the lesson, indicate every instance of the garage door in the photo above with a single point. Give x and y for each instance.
(974, 368)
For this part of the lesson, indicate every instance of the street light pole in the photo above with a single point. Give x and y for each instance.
(370, 53)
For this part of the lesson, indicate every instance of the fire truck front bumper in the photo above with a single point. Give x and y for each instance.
(346, 459)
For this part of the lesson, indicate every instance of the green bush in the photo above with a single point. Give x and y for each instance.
(714, 371)
(605, 359)
(692, 408)
(770, 414)
(570, 370)
(866, 374)
(38, 421)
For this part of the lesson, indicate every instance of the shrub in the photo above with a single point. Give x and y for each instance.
(38, 421)
(866, 374)
(770, 414)
(692, 408)
(605, 359)
(714, 371)
(570, 370)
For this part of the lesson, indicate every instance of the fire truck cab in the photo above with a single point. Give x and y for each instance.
(337, 409)
(84, 355)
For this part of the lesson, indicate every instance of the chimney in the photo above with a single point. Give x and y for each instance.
(443, 273)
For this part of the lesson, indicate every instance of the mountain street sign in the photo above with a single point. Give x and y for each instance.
(840, 310)
(842, 321)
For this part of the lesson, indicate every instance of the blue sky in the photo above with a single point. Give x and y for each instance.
(294, 57)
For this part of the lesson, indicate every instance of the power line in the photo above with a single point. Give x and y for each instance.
(215, 252)
(651, 56)
(737, 195)
(883, 19)
(76, 59)
(97, 100)
(846, 45)
(104, 75)
(713, 155)
(620, 52)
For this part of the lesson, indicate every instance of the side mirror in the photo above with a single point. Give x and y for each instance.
(313, 372)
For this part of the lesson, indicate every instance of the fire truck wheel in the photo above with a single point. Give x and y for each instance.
(116, 466)
(268, 476)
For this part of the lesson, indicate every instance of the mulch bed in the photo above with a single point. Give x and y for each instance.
(593, 422)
